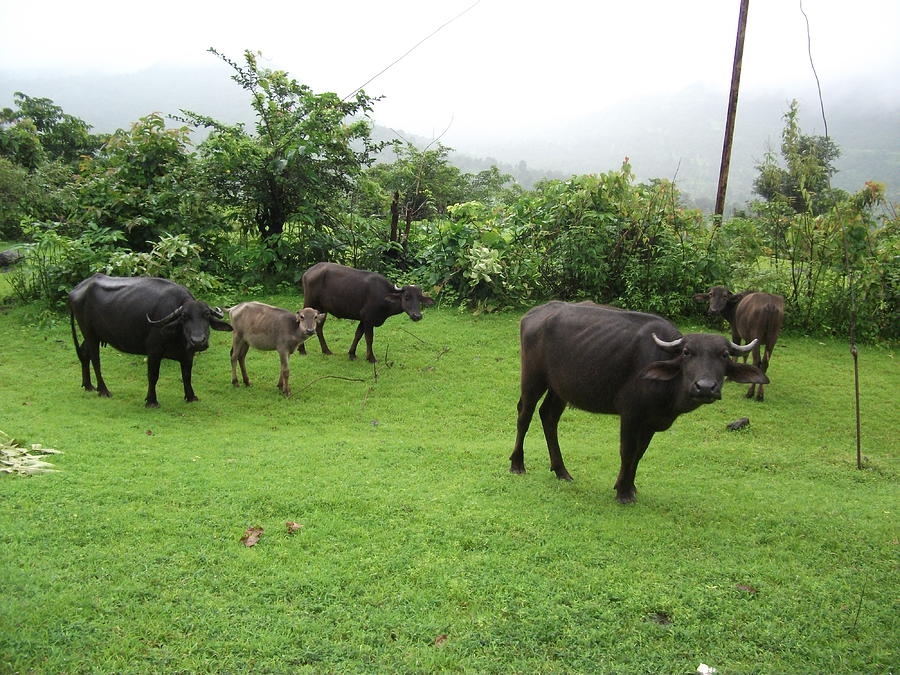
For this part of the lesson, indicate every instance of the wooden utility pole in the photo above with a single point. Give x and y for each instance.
(732, 108)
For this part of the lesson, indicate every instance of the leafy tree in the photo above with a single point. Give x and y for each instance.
(144, 182)
(422, 185)
(803, 184)
(302, 160)
(38, 129)
(15, 191)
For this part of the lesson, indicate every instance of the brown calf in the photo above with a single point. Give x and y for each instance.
(752, 315)
(268, 328)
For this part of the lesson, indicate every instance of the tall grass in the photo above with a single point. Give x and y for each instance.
(763, 550)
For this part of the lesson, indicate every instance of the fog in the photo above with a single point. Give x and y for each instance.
(568, 86)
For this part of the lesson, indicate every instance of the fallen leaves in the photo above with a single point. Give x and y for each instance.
(439, 640)
(251, 536)
(15, 459)
(254, 534)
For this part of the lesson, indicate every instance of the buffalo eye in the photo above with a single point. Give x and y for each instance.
(685, 352)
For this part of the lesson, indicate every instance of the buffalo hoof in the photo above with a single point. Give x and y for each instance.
(88, 387)
(191, 399)
(517, 469)
(352, 357)
(562, 474)
(371, 359)
(151, 404)
(104, 393)
(626, 496)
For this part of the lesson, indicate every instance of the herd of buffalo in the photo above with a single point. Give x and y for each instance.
(594, 357)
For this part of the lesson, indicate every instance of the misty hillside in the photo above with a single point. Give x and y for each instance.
(677, 136)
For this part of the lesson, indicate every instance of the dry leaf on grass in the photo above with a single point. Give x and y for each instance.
(439, 640)
(251, 536)
(15, 459)
(292, 526)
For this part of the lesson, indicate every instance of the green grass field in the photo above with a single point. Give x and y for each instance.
(763, 550)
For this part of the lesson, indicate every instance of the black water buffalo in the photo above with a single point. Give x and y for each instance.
(753, 316)
(367, 297)
(608, 360)
(140, 315)
(268, 328)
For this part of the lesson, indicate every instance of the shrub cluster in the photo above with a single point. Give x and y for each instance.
(252, 211)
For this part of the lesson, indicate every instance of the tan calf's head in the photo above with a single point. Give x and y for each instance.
(307, 320)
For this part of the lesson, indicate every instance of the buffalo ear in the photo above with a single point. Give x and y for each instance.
(662, 370)
(701, 297)
(426, 301)
(320, 317)
(218, 324)
(744, 372)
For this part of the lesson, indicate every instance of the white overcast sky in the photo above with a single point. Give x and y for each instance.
(504, 67)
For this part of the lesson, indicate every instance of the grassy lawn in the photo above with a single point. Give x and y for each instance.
(763, 550)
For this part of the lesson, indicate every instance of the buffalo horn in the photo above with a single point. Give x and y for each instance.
(217, 312)
(742, 349)
(169, 317)
(674, 344)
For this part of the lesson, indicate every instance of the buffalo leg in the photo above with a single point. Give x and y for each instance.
(187, 364)
(633, 442)
(321, 335)
(764, 366)
(152, 379)
(370, 355)
(360, 331)
(756, 362)
(285, 373)
(551, 410)
(93, 349)
(532, 390)
(239, 351)
(84, 357)
(526, 411)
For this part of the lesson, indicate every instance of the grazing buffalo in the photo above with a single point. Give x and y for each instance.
(607, 360)
(366, 297)
(753, 316)
(268, 328)
(140, 315)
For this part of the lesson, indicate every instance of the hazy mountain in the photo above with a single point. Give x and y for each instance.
(677, 136)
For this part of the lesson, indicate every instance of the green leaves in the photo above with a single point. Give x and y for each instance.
(301, 158)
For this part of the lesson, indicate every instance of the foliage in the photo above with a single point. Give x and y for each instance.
(600, 236)
(422, 185)
(144, 183)
(832, 255)
(15, 195)
(54, 263)
(38, 130)
(172, 257)
(414, 529)
(306, 152)
(804, 184)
